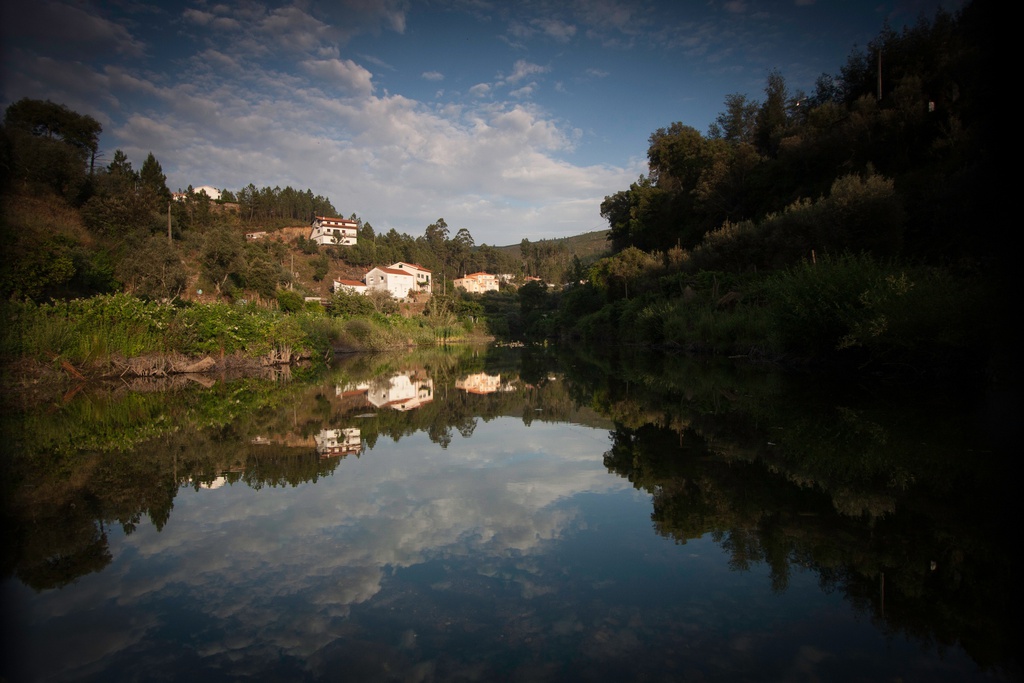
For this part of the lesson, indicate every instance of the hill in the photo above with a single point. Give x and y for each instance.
(589, 246)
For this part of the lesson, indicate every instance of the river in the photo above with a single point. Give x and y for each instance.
(498, 514)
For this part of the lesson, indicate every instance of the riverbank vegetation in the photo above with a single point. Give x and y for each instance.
(840, 226)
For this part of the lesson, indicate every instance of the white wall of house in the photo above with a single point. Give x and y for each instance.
(398, 282)
(211, 191)
(349, 286)
(421, 274)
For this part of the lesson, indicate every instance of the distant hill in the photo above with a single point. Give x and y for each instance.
(589, 246)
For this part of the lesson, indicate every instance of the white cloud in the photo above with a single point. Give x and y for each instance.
(235, 555)
(523, 69)
(343, 73)
(232, 113)
(557, 29)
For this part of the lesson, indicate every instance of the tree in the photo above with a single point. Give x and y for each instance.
(320, 267)
(153, 180)
(642, 216)
(121, 207)
(262, 272)
(153, 269)
(772, 116)
(382, 301)
(222, 259)
(289, 301)
(51, 146)
(435, 238)
(462, 250)
(56, 122)
(617, 273)
(121, 178)
(738, 123)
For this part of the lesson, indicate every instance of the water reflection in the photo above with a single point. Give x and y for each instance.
(488, 515)
(400, 391)
(335, 442)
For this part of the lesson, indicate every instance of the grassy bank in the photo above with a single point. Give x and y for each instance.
(101, 335)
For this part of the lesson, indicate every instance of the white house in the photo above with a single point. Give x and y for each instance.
(211, 191)
(477, 282)
(479, 383)
(352, 286)
(402, 391)
(422, 274)
(331, 442)
(398, 282)
(327, 230)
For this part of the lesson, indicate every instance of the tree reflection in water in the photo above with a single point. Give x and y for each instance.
(889, 495)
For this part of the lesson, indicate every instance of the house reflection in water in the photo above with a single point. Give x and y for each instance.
(402, 391)
(481, 383)
(338, 442)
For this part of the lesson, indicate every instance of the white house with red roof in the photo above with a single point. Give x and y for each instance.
(330, 231)
(422, 274)
(477, 283)
(398, 282)
(352, 286)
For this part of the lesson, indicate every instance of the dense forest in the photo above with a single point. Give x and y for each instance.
(843, 225)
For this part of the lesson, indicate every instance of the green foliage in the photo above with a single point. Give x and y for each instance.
(320, 267)
(859, 213)
(290, 301)
(153, 268)
(629, 271)
(153, 179)
(86, 330)
(222, 259)
(859, 306)
(51, 147)
(262, 273)
(349, 304)
(277, 207)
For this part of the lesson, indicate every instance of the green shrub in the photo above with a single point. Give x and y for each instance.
(290, 301)
(856, 305)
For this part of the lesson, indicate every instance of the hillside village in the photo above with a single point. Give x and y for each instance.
(401, 280)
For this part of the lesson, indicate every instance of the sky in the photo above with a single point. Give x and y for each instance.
(509, 119)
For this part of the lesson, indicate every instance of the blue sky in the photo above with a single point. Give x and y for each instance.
(509, 119)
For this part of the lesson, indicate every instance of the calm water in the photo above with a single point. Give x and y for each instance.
(509, 515)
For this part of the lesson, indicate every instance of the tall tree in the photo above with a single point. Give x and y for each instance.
(51, 146)
(772, 117)
(56, 121)
(462, 250)
(738, 123)
(153, 179)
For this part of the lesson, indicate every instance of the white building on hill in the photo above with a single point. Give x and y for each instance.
(398, 282)
(477, 283)
(331, 231)
(352, 286)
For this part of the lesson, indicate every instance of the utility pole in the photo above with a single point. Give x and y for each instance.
(169, 223)
(879, 74)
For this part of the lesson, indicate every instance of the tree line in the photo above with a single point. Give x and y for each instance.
(137, 236)
(852, 223)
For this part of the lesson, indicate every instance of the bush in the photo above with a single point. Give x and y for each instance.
(861, 307)
(290, 301)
